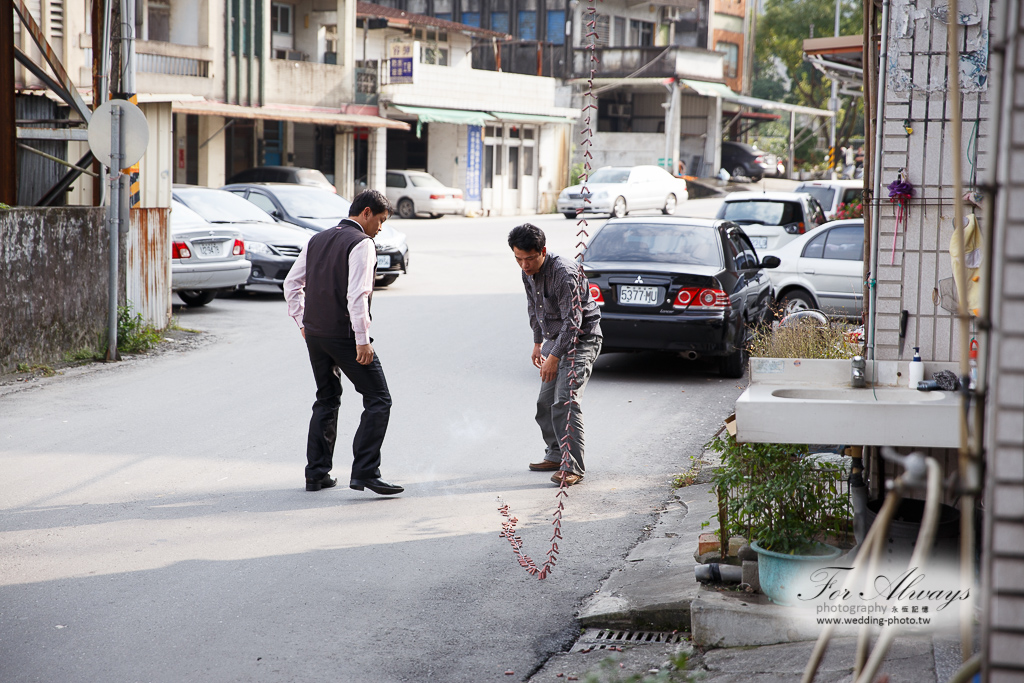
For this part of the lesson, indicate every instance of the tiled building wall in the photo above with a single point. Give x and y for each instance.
(1003, 571)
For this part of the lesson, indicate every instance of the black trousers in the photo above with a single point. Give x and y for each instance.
(327, 356)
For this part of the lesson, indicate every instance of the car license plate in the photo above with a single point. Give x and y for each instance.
(759, 242)
(638, 296)
(384, 261)
(208, 248)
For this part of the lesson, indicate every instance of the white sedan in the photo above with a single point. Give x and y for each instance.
(823, 269)
(618, 190)
(205, 258)
(416, 192)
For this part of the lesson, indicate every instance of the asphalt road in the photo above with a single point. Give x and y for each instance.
(154, 524)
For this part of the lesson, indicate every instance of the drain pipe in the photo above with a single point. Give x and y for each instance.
(877, 190)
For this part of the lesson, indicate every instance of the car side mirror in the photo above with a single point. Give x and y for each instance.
(276, 215)
(771, 262)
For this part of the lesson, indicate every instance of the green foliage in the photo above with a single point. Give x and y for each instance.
(807, 339)
(610, 672)
(80, 356)
(575, 173)
(775, 494)
(40, 369)
(4, 207)
(133, 334)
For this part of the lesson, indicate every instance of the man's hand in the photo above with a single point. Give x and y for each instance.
(536, 357)
(549, 369)
(364, 354)
(302, 331)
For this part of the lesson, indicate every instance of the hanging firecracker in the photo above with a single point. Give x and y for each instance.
(900, 192)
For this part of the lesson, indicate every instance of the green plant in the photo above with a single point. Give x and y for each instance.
(133, 334)
(80, 355)
(609, 671)
(805, 339)
(777, 495)
(44, 370)
(689, 477)
(575, 173)
(175, 324)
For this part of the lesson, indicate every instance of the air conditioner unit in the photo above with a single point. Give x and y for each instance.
(622, 111)
(671, 14)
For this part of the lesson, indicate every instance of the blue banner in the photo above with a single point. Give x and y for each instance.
(474, 156)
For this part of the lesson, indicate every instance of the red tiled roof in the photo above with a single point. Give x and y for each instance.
(397, 17)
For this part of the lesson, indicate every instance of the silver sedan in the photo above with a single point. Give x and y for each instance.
(618, 190)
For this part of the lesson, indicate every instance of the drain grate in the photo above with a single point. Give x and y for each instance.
(608, 639)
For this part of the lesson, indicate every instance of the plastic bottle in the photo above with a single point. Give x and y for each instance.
(973, 362)
(915, 372)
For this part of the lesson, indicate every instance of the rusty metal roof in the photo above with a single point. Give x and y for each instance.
(398, 18)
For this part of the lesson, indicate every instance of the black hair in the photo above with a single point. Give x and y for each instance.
(527, 237)
(377, 202)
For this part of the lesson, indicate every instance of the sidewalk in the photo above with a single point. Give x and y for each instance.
(729, 636)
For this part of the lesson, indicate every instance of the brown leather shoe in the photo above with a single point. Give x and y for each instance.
(544, 466)
(570, 478)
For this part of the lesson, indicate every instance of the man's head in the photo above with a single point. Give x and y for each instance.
(370, 209)
(528, 244)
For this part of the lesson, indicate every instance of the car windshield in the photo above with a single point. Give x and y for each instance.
(765, 212)
(649, 243)
(610, 175)
(184, 217)
(424, 180)
(311, 175)
(824, 195)
(219, 206)
(312, 203)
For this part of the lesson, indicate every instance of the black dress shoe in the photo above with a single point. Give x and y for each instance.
(375, 485)
(317, 484)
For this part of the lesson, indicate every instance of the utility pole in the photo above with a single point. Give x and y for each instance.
(833, 104)
(8, 141)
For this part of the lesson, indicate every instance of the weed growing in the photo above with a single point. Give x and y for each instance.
(134, 335)
(806, 339)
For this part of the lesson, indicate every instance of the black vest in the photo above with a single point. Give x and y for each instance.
(327, 254)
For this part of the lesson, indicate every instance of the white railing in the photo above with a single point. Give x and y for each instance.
(172, 66)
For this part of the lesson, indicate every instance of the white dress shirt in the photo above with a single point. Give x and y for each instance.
(361, 263)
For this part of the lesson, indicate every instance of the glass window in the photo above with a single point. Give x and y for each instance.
(311, 202)
(527, 160)
(417, 6)
(424, 180)
(744, 255)
(817, 214)
(498, 168)
(262, 201)
(470, 12)
(528, 25)
(851, 195)
(513, 168)
(823, 194)
(845, 243)
(513, 132)
(610, 175)
(447, 16)
(492, 132)
(443, 9)
(763, 212)
(471, 19)
(556, 27)
(395, 180)
(732, 57)
(816, 247)
(281, 18)
(218, 206)
(527, 133)
(662, 243)
(603, 28)
(641, 33)
(621, 39)
(488, 166)
(184, 217)
(499, 22)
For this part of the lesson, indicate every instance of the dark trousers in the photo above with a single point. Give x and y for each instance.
(327, 356)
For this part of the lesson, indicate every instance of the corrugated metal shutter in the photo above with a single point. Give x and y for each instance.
(305, 145)
(36, 174)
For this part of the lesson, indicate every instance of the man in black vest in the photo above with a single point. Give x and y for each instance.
(328, 292)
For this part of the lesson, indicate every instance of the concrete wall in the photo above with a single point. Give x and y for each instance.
(53, 283)
(625, 149)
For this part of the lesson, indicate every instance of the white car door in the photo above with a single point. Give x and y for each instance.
(395, 186)
(833, 263)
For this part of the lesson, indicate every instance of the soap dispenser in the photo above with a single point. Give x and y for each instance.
(915, 372)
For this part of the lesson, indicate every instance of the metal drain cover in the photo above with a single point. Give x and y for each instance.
(608, 639)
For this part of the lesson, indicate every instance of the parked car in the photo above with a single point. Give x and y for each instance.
(316, 209)
(771, 219)
(416, 192)
(272, 247)
(205, 258)
(831, 193)
(283, 174)
(822, 270)
(741, 159)
(618, 190)
(689, 285)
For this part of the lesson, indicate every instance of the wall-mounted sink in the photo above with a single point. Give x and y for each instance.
(876, 395)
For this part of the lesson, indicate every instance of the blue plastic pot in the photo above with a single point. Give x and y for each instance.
(782, 576)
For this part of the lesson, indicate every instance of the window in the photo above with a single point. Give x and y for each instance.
(556, 27)
(443, 9)
(621, 39)
(657, 243)
(499, 22)
(417, 6)
(395, 180)
(281, 18)
(816, 247)
(732, 57)
(513, 168)
(527, 160)
(158, 18)
(432, 54)
(528, 25)
(603, 28)
(641, 33)
(470, 12)
(262, 201)
(488, 166)
(845, 244)
(744, 253)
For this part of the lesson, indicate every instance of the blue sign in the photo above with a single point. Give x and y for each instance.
(400, 62)
(474, 155)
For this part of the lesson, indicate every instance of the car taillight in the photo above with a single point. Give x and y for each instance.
(437, 196)
(595, 294)
(794, 228)
(458, 195)
(180, 250)
(239, 248)
(700, 299)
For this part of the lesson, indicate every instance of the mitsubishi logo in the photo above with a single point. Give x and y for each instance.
(639, 280)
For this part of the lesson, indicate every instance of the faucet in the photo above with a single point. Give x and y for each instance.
(857, 367)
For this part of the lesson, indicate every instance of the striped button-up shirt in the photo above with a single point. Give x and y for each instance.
(553, 317)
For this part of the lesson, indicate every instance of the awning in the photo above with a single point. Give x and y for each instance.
(314, 115)
(459, 116)
(711, 89)
(531, 118)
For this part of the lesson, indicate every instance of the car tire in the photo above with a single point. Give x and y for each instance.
(739, 171)
(569, 215)
(795, 300)
(619, 207)
(733, 365)
(670, 205)
(406, 209)
(385, 281)
(194, 298)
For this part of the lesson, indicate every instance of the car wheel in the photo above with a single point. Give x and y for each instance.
(795, 301)
(670, 205)
(385, 281)
(619, 207)
(197, 297)
(739, 171)
(569, 215)
(406, 209)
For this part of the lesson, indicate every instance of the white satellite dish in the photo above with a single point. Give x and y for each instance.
(134, 132)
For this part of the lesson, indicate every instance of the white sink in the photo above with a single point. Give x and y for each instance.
(868, 395)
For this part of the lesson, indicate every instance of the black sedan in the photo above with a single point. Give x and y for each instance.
(317, 209)
(687, 285)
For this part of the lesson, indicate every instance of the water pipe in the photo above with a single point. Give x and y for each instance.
(877, 178)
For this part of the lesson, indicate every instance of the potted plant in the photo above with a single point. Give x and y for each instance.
(787, 502)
